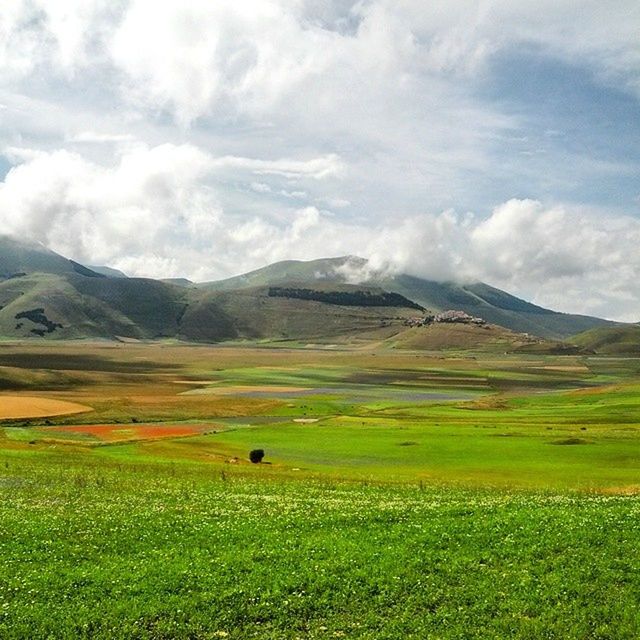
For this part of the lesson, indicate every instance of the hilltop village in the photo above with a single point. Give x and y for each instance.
(450, 316)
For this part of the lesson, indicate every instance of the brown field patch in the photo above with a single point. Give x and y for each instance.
(568, 368)
(18, 407)
(624, 490)
(594, 391)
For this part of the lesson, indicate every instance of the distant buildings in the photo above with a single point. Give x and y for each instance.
(450, 316)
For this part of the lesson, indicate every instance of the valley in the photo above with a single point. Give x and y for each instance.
(444, 485)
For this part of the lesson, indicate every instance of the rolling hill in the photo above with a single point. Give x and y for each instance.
(45, 295)
(477, 299)
(619, 341)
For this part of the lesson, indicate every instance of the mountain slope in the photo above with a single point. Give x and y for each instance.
(18, 257)
(619, 340)
(71, 302)
(256, 313)
(109, 272)
(287, 271)
(43, 294)
(48, 305)
(493, 305)
(478, 299)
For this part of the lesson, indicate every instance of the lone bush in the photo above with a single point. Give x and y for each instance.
(256, 455)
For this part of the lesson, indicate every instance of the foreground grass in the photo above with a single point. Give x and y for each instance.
(91, 549)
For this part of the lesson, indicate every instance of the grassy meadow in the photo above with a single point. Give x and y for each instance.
(404, 494)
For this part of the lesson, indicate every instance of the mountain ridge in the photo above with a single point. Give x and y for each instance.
(478, 299)
(46, 295)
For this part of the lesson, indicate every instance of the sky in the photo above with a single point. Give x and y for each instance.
(461, 140)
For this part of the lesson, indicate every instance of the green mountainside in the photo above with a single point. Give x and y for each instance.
(477, 299)
(288, 271)
(619, 340)
(45, 295)
(19, 258)
(108, 271)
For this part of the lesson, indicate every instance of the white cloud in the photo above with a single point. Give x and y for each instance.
(60, 36)
(255, 117)
(260, 187)
(317, 168)
(253, 56)
(245, 54)
(99, 138)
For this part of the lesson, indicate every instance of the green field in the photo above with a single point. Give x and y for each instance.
(403, 495)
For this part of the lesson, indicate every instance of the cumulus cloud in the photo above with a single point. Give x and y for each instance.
(274, 60)
(154, 212)
(206, 138)
(389, 87)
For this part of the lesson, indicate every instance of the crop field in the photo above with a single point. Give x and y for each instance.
(404, 494)
(15, 407)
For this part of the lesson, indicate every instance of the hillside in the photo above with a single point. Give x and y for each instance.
(256, 314)
(45, 295)
(20, 258)
(71, 302)
(286, 272)
(109, 272)
(477, 299)
(80, 307)
(619, 340)
(75, 306)
(493, 305)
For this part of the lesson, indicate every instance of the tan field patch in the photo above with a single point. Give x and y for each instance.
(15, 407)
(568, 368)
(594, 391)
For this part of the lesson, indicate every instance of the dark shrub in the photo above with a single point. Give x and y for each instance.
(256, 455)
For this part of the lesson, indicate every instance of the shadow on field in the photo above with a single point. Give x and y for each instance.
(73, 362)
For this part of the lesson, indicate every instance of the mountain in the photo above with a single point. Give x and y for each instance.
(181, 282)
(477, 299)
(489, 337)
(46, 295)
(20, 258)
(325, 270)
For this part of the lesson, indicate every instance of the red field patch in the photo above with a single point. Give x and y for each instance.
(120, 432)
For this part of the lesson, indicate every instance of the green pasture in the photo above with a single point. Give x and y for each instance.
(550, 422)
(98, 549)
(402, 496)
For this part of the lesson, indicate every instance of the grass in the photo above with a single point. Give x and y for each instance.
(120, 551)
(505, 506)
